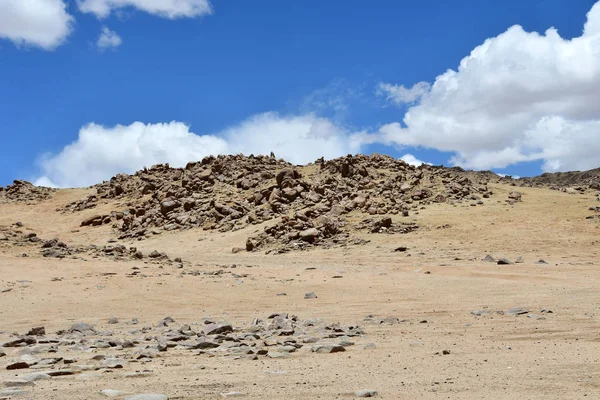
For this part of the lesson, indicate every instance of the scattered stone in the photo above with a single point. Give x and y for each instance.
(519, 260)
(216, 329)
(310, 295)
(517, 311)
(18, 383)
(17, 365)
(515, 196)
(230, 395)
(112, 393)
(366, 393)
(541, 262)
(328, 348)
(39, 331)
(36, 376)
(504, 261)
(489, 258)
(83, 328)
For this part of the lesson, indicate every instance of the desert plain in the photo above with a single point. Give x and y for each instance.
(202, 310)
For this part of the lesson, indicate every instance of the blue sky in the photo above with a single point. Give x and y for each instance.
(307, 64)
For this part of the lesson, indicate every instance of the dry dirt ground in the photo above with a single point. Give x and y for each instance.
(432, 289)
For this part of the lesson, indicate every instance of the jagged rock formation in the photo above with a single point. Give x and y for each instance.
(23, 191)
(227, 193)
(578, 181)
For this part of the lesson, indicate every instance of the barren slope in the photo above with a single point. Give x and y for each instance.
(412, 305)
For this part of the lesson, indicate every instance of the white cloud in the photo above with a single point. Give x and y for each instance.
(399, 95)
(412, 160)
(101, 152)
(520, 96)
(39, 23)
(171, 9)
(108, 39)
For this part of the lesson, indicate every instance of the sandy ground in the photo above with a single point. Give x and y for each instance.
(432, 289)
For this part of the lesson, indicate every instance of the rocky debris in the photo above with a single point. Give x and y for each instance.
(38, 331)
(514, 197)
(328, 348)
(280, 335)
(86, 203)
(227, 193)
(577, 181)
(25, 192)
(310, 295)
(385, 225)
(54, 248)
(504, 261)
(489, 258)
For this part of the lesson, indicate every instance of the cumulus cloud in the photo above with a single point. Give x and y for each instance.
(38, 23)
(412, 160)
(108, 39)
(101, 152)
(399, 95)
(171, 9)
(520, 96)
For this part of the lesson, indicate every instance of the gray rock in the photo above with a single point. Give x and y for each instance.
(216, 329)
(309, 235)
(230, 395)
(20, 341)
(310, 295)
(277, 354)
(39, 331)
(366, 393)
(541, 262)
(504, 261)
(113, 363)
(36, 376)
(83, 328)
(111, 393)
(113, 321)
(480, 312)
(489, 258)
(517, 311)
(8, 393)
(519, 260)
(148, 396)
(328, 348)
(18, 383)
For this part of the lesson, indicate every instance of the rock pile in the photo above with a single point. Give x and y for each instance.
(84, 348)
(54, 248)
(23, 191)
(577, 181)
(227, 193)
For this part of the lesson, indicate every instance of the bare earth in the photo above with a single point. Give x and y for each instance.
(432, 289)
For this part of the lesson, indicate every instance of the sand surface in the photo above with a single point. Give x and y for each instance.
(431, 289)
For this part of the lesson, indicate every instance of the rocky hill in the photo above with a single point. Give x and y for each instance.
(579, 180)
(227, 193)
